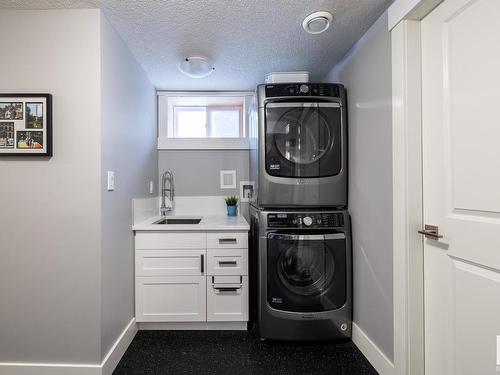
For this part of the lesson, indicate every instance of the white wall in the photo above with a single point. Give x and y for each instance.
(128, 139)
(50, 211)
(366, 73)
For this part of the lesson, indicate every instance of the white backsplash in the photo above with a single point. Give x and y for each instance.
(145, 208)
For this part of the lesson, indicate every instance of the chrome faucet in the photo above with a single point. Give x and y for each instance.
(167, 176)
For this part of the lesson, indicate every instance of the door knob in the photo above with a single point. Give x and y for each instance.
(431, 231)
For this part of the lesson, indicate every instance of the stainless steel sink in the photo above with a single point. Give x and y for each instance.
(178, 220)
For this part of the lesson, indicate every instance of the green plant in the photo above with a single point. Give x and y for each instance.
(232, 200)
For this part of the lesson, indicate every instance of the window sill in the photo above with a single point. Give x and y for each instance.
(203, 144)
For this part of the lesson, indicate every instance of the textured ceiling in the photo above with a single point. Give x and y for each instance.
(245, 39)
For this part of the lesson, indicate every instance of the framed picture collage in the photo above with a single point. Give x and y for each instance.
(25, 125)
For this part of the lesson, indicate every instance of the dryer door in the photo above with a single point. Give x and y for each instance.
(303, 140)
(306, 272)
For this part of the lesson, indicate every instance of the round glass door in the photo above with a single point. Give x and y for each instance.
(306, 271)
(303, 139)
(302, 135)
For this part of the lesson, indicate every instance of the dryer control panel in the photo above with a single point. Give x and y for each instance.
(305, 220)
(303, 89)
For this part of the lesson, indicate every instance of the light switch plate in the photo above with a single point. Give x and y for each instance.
(111, 180)
(151, 187)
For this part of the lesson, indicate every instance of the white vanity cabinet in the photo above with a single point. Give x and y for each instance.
(170, 281)
(191, 276)
(227, 269)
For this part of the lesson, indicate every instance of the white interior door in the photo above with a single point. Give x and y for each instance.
(461, 148)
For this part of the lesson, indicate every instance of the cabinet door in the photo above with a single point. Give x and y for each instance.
(227, 301)
(170, 299)
(169, 262)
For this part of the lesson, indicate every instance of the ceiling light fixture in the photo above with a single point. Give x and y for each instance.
(196, 67)
(317, 22)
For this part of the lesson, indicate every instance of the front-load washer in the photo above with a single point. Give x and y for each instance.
(298, 138)
(302, 265)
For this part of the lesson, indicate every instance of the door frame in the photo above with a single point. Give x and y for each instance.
(408, 248)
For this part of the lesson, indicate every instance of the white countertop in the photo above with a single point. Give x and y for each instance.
(207, 223)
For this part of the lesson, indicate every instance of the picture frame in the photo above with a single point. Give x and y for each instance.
(26, 124)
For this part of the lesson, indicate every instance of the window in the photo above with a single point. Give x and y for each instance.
(208, 122)
(196, 120)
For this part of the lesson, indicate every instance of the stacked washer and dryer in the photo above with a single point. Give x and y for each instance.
(300, 229)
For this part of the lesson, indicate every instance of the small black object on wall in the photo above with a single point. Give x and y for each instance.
(26, 125)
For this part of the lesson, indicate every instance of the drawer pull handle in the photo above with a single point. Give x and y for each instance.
(226, 290)
(227, 240)
(202, 265)
(228, 263)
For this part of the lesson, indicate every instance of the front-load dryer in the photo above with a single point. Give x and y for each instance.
(302, 270)
(298, 138)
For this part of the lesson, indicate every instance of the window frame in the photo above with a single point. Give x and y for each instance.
(215, 100)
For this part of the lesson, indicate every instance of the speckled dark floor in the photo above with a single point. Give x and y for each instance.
(237, 353)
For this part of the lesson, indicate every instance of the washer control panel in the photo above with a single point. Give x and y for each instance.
(305, 220)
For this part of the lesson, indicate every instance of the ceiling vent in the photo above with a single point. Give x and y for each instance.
(317, 22)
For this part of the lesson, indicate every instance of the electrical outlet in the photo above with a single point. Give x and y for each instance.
(111, 180)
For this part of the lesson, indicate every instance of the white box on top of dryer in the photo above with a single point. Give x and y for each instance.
(287, 77)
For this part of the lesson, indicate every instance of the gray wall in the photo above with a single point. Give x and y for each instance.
(49, 220)
(366, 73)
(128, 138)
(197, 172)
(66, 246)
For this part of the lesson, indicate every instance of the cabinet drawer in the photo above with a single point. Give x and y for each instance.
(169, 262)
(227, 262)
(227, 301)
(176, 240)
(170, 299)
(229, 240)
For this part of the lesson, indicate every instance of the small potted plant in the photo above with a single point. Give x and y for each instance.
(231, 203)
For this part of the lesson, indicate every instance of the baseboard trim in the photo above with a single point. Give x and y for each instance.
(189, 326)
(372, 352)
(118, 349)
(20, 368)
(105, 368)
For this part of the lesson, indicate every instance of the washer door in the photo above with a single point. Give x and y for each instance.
(303, 139)
(306, 272)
